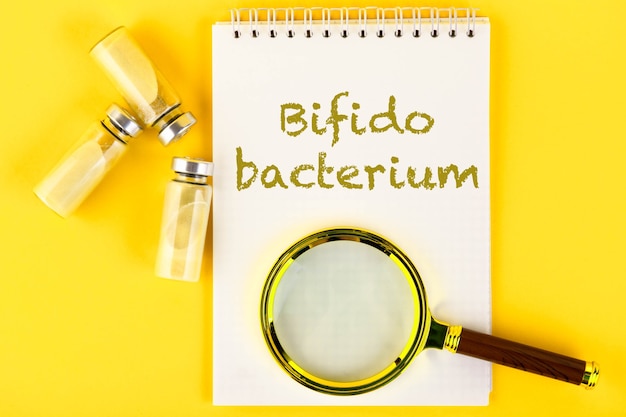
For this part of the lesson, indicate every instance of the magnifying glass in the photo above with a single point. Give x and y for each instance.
(344, 312)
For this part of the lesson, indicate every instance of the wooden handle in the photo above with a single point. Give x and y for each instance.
(527, 358)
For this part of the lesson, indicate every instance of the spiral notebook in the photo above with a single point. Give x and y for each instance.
(362, 117)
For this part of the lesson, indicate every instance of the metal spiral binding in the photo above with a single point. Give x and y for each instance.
(415, 18)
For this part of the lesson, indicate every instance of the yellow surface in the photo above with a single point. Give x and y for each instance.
(87, 330)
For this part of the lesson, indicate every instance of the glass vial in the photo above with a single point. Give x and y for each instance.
(148, 94)
(82, 169)
(185, 220)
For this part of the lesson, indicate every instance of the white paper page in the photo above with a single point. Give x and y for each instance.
(444, 230)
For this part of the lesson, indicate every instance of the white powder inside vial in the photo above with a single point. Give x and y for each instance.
(134, 75)
(75, 177)
(183, 231)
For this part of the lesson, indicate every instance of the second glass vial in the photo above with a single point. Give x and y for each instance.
(142, 85)
(185, 219)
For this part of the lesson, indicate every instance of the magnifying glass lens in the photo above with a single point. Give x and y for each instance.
(344, 311)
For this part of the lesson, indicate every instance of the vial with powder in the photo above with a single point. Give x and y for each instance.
(147, 92)
(185, 219)
(102, 145)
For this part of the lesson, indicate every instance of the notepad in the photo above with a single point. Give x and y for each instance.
(369, 118)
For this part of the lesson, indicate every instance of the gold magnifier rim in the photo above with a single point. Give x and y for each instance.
(421, 319)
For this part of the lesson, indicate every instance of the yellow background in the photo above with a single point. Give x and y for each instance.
(87, 330)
